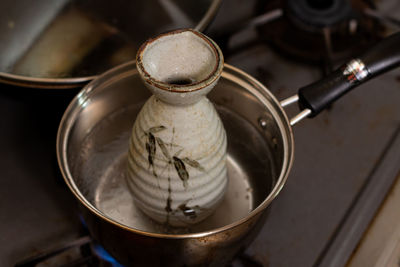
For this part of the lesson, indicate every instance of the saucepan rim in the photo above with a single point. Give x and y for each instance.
(229, 72)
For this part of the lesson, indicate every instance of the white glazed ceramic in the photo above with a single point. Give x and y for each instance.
(177, 156)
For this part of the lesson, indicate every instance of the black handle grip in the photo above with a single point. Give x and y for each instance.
(381, 58)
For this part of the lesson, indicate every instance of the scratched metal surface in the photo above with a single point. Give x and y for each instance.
(340, 157)
(335, 154)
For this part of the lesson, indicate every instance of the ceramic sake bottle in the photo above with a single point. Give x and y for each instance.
(177, 156)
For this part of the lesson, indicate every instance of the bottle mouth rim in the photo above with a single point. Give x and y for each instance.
(187, 87)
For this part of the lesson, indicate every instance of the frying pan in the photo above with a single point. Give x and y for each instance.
(92, 145)
(66, 43)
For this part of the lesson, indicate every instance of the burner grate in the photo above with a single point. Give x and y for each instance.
(324, 32)
(84, 252)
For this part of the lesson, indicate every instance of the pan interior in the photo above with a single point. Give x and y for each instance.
(66, 42)
(98, 145)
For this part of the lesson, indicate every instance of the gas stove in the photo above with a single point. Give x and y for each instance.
(346, 158)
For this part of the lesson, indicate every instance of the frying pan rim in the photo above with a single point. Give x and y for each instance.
(74, 82)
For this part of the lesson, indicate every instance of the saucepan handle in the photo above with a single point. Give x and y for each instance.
(315, 97)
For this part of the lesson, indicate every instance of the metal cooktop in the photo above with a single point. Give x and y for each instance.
(347, 158)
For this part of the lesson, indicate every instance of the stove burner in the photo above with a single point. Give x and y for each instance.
(321, 31)
(317, 14)
(84, 251)
(105, 256)
(80, 252)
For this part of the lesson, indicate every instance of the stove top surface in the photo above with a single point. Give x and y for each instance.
(346, 159)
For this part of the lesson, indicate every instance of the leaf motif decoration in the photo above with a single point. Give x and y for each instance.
(181, 170)
(179, 164)
(178, 152)
(168, 206)
(163, 147)
(151, 150)
(151, 147)
(193, 163)
(157, 129)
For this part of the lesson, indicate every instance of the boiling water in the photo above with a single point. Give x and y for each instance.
(103, 162)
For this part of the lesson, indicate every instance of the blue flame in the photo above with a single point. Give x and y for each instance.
(83, 221)
(102, 253)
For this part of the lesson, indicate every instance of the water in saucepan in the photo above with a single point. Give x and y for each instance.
(100, 174)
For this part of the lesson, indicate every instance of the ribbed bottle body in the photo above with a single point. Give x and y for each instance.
(177, 161)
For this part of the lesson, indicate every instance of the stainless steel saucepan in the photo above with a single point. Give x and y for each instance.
(92, 146)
